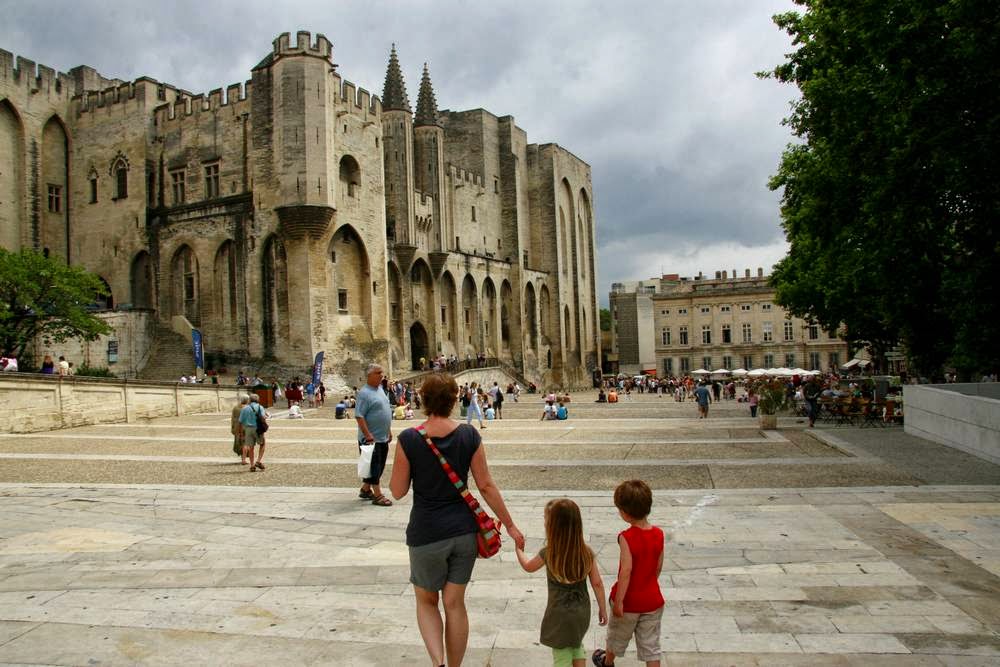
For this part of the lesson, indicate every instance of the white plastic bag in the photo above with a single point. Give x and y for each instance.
(365, 461)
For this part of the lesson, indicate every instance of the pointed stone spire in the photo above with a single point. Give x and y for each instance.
(426, 104)
(394, 90)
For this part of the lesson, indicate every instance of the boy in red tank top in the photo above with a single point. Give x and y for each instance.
(636, 600)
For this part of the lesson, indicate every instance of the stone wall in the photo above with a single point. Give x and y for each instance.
(132, 332)
(43, 403)
(956, 416)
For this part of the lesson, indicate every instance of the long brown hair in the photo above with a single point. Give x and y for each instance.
(567, 556)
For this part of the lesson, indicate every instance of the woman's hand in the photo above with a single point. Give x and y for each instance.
(516, 535)
(602, 616)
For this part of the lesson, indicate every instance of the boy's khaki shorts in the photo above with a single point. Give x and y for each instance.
(645, 627)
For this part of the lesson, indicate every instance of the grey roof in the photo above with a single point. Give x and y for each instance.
(426, 104)
(394, 90)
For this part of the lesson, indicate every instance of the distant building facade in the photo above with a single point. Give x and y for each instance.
(671, 326)
(297, 213)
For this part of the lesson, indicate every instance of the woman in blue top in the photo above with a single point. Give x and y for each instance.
(441, 534)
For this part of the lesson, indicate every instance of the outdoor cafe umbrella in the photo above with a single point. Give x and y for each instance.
(740, 372)
(700, 371)
(757, 372)
(720, 371)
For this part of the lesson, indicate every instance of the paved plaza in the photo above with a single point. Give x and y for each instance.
(149, 543)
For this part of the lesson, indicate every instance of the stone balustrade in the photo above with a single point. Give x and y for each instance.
(45, 402)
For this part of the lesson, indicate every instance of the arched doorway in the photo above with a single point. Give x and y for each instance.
(184, 282)
(418, 345)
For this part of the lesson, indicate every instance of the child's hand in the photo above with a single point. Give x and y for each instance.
(619, 609)
(602, 617)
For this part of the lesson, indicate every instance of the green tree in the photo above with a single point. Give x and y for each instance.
(605, 319)
(890, 198)
(41, 296)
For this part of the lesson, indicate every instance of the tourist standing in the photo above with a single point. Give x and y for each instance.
(441, 533)
(374, 416)
(498, 404)
(475, 406)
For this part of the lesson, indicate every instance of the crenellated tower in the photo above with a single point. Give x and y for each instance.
(397, 137)
(292, 157)
(428, 160)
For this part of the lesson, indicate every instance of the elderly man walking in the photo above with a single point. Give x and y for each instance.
(236, 428)
(249, 416)
(374, 416)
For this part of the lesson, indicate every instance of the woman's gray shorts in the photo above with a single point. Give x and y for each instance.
(450, 560)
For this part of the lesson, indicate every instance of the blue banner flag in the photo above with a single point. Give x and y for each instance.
(318, 369)
(199, 350)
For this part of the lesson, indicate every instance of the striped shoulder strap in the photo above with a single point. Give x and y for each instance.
(463, 490)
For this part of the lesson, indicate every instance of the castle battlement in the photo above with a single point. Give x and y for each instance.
(303, 45)
(462, 176)
(356, 100)
(187, 105)
(37, 77)
(133, 95)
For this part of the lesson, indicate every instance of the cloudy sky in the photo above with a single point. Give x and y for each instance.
(659, 98)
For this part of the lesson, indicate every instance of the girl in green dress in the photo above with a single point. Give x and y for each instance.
(569, 562)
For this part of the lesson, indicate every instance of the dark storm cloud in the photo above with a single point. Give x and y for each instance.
(660, 98)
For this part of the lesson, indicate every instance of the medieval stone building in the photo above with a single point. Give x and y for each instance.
(297, 213)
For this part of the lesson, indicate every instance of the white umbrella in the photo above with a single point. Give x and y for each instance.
(757, 372)
(720, 371)
(784, 372)
(799, 371)
(700, 371)
(740, 371)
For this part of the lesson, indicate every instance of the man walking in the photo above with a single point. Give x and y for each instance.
(374, 416)
(249, 417)
(704, 397)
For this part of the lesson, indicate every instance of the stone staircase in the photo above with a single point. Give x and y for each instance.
(170, 358)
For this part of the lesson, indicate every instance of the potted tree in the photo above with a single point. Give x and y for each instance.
(772, 397)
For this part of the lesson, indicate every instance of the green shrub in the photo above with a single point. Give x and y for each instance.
(88, 371)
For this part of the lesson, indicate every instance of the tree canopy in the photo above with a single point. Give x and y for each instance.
(890, 196)
(41, 296)
(605, 319)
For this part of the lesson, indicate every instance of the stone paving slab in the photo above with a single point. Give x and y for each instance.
(158, 575)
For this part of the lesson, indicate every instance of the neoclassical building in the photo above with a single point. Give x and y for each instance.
(673, 325)
(297, 213)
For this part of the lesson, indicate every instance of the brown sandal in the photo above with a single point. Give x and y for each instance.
(382, 501)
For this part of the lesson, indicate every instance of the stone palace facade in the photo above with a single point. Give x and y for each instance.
(297, 213)
(671, 326)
